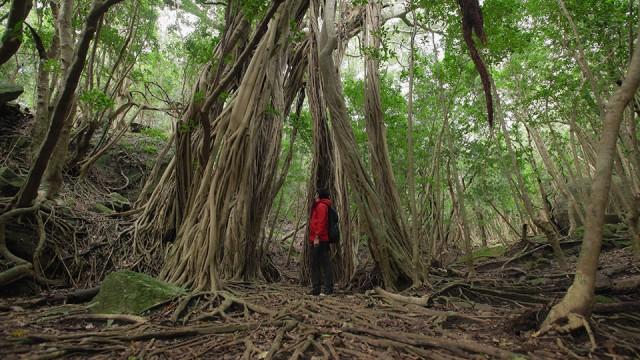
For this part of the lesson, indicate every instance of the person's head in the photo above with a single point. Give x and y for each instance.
(322, 194)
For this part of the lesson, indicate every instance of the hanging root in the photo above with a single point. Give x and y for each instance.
(472, 22)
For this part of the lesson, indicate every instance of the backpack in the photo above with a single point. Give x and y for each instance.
(333, 225)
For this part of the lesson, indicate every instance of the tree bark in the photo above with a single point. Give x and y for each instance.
(326, 167)
(44, 90)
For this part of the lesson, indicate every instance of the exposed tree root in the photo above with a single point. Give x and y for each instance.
(493, 316)
(113, 317)
(454, 345)
(421, 301)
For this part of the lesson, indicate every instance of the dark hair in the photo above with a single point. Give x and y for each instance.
(323, 193)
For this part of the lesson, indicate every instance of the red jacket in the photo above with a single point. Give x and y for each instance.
(319, 218)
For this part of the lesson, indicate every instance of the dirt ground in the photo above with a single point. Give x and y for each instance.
(492, 315)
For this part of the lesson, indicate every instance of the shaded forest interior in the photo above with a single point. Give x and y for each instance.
(159, 161)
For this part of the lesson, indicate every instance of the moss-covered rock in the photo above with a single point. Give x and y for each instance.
(118, 202)
(489, 252)
(128, 292)
(601, 299)
(101, 209)
(538, 281)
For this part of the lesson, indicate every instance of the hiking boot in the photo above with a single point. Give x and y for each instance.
(328, 292)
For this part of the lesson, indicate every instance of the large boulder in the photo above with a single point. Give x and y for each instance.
(9, 92)
(128, 292)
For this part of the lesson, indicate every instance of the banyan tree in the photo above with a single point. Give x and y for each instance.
(203, 220)
(212, 200)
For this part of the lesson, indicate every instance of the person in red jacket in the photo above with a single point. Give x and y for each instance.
(320, 249)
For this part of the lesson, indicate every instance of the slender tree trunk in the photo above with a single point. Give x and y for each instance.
(582, 60)
(555, 173)
(459, 203)
(411, 178)
(29, 190)
(482, 225)
(53, 180)
(12, 37)
(580, 296)
(44, 91)
(92, 122)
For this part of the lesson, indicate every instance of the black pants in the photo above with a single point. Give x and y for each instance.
(321, 259)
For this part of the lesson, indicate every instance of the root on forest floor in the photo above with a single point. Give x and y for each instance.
(276, 321)
(492, 315)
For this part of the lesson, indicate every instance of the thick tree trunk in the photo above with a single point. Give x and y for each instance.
(580, 296)
(220, 233)
(381, 169)
(326, 168)
(166, 206)
(390, 249)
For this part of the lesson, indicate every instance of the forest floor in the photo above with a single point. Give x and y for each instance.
(492, 315)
